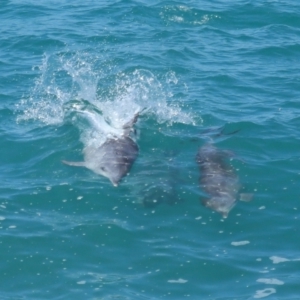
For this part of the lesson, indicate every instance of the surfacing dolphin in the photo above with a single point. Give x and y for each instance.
(114, 158)
(217, 179)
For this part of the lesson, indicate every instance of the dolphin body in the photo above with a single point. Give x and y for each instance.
(114, 158)
(217, 179)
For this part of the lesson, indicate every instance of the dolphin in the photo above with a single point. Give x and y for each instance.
(217, 179)
(114, 158)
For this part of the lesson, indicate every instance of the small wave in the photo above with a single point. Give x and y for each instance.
(182, 14)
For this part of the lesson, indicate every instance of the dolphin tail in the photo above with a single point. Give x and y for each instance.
(74, 163)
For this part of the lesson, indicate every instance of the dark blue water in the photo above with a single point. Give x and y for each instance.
(192, 69)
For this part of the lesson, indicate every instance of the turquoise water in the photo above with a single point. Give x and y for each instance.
(191, 67)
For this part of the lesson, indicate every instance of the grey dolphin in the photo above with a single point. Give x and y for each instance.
(217, 179)
(114, 158)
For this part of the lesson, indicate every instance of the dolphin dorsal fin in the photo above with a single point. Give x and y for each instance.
(127, 126)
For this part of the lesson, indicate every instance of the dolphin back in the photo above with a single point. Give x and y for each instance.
(113, 159)
(217, 179)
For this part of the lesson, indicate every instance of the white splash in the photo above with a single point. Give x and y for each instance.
(270, 281)
(241, 243)
(278, 259)
(264, 293)
(180, 280)
(46, 99)
(77, 79)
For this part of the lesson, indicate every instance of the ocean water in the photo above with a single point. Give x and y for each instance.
(193, 69)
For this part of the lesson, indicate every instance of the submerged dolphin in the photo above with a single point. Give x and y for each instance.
(217, 179)
(114, 158)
